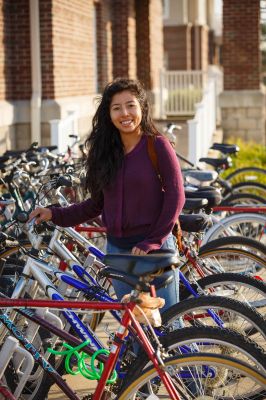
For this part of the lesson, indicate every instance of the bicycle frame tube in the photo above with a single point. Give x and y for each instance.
(128, 318)
(5, 392)
(35, 268)
(243, 209)
(212, 314)
(62, 334)
(86, 289)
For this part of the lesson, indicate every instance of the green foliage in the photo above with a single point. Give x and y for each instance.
(251, 154)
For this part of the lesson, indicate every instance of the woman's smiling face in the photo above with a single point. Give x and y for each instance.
(125, 113)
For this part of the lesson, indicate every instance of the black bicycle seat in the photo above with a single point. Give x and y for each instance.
(141, 265)
(132, 280)
(225, 148)
(201, 176)
(217, 162)
(195, 204)
(210, 193)
(3, 159)
(49, 148)
(194, 222)
(14, 153)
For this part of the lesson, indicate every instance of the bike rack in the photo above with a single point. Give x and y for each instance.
(9, 349)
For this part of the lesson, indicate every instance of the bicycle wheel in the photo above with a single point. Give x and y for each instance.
(209, 340)
(256, 188)
(248, 244)
(216, 341)
(247, 174)
(226, 259)
(235, 286)
(194, 377)
(234, 315)
(249, 225)
(242, 198)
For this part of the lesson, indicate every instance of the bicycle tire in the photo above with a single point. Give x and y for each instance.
(244, 225)
(225, 259)
(236, 174)
(251, 245)
(193, 363)
(206, 340)
(250, 187)
(252, 263)
(242, 198)
(235, 315)
(239, 287)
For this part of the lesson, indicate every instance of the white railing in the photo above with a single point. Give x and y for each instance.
(61, 129)
(202, 127)
(180, 91)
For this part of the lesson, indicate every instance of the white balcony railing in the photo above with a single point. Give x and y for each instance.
(180, 91)
(202, 127)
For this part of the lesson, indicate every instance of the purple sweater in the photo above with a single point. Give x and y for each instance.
(135, 203)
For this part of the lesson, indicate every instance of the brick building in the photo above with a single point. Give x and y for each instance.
(191, 34)
(244, 98)
(57, 55)
(192, 42)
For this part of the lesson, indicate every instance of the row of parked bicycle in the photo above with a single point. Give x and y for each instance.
(56, 285)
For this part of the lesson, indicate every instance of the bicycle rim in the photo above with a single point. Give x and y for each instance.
(189, 376)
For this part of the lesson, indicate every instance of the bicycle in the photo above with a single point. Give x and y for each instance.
(242, 184)
(176, 387)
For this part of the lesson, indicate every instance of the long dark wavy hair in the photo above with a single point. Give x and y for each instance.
(105, 148)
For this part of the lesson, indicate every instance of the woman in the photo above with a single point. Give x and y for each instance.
(138, 209)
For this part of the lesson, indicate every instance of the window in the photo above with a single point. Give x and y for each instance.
(166, 9)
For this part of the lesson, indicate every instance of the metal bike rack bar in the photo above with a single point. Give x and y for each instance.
(9, 349)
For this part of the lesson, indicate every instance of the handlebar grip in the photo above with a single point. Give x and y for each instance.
(64, 181)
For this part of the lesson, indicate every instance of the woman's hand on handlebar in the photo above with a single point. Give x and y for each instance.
(41, 214)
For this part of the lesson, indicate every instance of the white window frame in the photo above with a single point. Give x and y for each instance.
(166, 9)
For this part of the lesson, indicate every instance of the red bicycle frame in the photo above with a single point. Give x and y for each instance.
(127, 319)
(5, 392)
(242, 209)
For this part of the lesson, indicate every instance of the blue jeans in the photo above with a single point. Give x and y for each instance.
(169, 293)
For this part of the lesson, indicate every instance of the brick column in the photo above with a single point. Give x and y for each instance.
(104, 43)
(68, 53)
(15, 72)
(177, 44)
(124, 38)
(200, 47)
(150, 47)
(143, 41)
(47, 57)
(242, 102)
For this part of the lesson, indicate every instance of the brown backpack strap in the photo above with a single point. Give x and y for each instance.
(177, 232)
(153, 155)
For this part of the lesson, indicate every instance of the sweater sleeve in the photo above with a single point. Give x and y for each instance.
(77, 213)
(174, 196)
